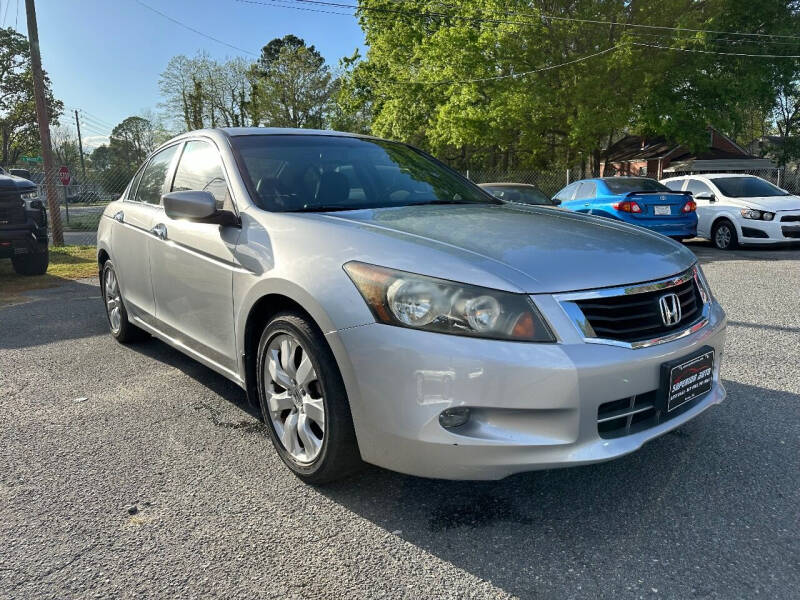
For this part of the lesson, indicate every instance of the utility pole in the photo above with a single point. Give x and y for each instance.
(80, 146)
(43, 120)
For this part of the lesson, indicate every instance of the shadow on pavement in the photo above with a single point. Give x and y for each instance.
(706, 252)
(40, 322)
(532, 533)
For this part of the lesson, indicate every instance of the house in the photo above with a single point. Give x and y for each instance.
(658, 157)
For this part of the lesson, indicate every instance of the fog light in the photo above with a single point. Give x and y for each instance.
(454, 417)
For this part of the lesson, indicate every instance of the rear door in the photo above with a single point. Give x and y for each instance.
(585, 197)
(131, 231)
(192, 263)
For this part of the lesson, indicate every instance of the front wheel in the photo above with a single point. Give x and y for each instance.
(35, 263)
(723, 235)
(303, 401)
(121, 328)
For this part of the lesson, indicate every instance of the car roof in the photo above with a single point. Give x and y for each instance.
(237, 131)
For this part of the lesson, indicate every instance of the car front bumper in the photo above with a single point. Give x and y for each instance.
(753, 231)
(14, 242)
(533, 406)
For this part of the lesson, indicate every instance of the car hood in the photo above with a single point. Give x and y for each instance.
(551, 250)
(772, 203)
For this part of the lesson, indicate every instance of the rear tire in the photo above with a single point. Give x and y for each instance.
(121, 328)
(35, 263)
(723, 235)
(304, 402)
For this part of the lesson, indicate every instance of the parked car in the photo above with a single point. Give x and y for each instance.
(23, 226)
(521, 193)
(636, 200)
(378, 306)
(85, 197)
(741, 209)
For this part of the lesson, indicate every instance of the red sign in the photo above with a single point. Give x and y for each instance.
(63, 173)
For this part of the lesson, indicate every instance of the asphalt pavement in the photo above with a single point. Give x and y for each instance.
(135, 472)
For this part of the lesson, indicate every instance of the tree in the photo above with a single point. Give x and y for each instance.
(291, 85)
(130, 143)
(508, 82)
(786, 115)
(18, 130)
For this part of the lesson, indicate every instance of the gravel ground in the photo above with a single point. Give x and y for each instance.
(136, 472)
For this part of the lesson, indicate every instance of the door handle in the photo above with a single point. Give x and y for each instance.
(160, 231)
(119, 217)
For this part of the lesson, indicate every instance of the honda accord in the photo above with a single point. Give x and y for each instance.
(377, 306)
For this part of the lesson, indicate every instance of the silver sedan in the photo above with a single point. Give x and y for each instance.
(379, 307)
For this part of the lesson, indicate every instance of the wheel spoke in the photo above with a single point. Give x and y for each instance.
(289, 437)
(305, 372)
(315, 410)
(311, 443)
(280, 402)
(276, 371)
(288, 347)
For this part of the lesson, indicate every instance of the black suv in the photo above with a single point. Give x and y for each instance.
(23, 225)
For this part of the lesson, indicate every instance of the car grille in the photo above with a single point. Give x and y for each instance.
(627, 416)
(637, 317)
(12, 208)
(790, 219)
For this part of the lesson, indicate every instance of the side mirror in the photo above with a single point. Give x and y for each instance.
(706, 196)
(556, 202)
(196, 205)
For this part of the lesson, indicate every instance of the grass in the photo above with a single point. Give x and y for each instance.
(80, 222)
(66, 263)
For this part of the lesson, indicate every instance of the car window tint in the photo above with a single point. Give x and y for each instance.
(200, 168)
(675, 185)
(697, 187)
(586, 191)
(134, 184)
(747, 187)
(520, 193)
(626, 185)
(151, 185)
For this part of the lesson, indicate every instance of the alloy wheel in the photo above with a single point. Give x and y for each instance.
(294, 397)
(723, 236)
(113, 301)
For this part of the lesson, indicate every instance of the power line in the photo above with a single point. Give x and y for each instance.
(510, 75)
(717, 53)
(540, 17)
(192, 29)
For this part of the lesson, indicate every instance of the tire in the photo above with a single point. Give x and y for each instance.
(723, 235)
(308, 418)
(35, 263)
(121, 328)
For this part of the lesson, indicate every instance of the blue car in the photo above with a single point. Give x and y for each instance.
(636, 200)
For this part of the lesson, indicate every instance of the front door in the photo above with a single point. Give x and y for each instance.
(192, 264)
(132, 230)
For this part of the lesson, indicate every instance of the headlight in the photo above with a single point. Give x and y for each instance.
(30, 196)
(705, 289)
(767, 216)
(420, 302)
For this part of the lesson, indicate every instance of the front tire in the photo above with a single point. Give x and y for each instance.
(723, 235)
(35, 263)
(121, 328)
(304, 402)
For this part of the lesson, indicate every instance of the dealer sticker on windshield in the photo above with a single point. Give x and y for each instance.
(661, 210)
(689, 379)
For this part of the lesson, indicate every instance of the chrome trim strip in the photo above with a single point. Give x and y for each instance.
(574, 313)
(625, 414)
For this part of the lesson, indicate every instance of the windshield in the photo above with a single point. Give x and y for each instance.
(623, 185)
(518, 193)
(747, 187)
(322, 173)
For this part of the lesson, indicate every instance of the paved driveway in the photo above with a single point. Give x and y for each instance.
(136, 472)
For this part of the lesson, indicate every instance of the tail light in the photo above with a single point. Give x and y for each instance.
(628, 206)
(690, 206)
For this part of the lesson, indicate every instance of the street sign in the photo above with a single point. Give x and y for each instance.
(32, 159)
(63, 174)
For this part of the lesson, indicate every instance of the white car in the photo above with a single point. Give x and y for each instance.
(741, 209)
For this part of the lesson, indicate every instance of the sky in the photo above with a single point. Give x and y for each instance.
(105, 56)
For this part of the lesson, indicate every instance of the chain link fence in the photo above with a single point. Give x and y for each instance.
(84, 197)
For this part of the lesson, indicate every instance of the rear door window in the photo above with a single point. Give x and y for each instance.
(697, 187)
(567, 193)
(675, 185)
(200, 168)
(154, 176)
(586, 191)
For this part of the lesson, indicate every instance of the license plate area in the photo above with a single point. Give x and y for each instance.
(660, 210)
(685, 379)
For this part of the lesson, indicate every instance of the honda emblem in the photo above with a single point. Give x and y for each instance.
(670, 306)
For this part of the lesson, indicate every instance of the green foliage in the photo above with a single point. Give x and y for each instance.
(19, 133)
(131, 141)
(555, 90)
